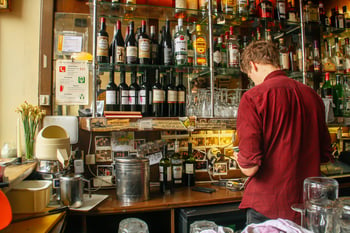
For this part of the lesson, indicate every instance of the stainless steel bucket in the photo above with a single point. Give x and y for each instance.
(72, 189)
(132, 179)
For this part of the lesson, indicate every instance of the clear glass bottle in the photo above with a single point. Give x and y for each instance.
(328, 62)
(310, 13)
(233, 53)
(347, 56)
(180, 44)
(316, 57)
(284, 55)
(339, 58)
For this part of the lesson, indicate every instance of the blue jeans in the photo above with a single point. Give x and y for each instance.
(254, 216)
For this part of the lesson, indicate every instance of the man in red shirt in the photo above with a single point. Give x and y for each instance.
(283, 136)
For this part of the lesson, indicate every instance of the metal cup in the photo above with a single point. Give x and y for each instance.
(72, 189)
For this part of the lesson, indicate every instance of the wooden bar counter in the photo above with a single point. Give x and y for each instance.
(159, 209)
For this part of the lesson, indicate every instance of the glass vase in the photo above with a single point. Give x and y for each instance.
(29, 143)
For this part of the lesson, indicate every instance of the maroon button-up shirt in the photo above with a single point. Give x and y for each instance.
(281, 127)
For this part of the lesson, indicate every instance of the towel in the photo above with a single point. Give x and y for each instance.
(275, 226)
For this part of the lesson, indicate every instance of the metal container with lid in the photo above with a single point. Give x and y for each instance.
(132, 177)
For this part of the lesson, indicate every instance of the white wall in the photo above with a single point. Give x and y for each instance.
(19, 62)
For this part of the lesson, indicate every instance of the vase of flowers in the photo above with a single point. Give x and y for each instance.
(30, 116)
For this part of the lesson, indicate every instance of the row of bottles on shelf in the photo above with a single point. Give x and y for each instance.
(175, 170)
(338, 90)
(163, 98)
(336, 58)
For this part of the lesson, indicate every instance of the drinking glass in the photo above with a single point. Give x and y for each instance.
(343, 215)
(132, 225)
(203, 226)
(318, 189)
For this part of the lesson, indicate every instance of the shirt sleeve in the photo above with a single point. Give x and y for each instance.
(249, 127)
(325, 139)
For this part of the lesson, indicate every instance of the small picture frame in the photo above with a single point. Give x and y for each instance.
(138, 142)
(201, 165)
(220, 169)
(232, 165)
(102, 142)
(104, 155)
(199, 155)
(104, 170)
(5, 5)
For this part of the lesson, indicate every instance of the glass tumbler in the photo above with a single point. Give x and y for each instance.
(318, 189)
(203, 226)
(133, 225)
(343, 215)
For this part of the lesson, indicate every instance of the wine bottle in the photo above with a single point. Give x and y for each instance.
(165, 176)
(117, 46)
(131, 46)
(102, 43)
(123, 93)
(189, 176)
(171, 96)
(134, 89)
(144, 45)
(326, 90)
(157, 96)
(177, 166)
(145, 96)
(180, 42)
(181, 96)
(167, 45)
(265, 10)
(111, 93)
(190, 52)
(164, 84)
(347, 56)
(154, 47)
(338, 96)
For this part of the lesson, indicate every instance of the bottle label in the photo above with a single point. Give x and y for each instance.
(266, 10)
(284, 61)
(130, 1)
(189, 168)
(181, 96)
(150, 99)
(347, 65)
(180, 44)
(124, 97)
(132, 97)
(167, 55)
(144, 48)
(180, 4)
(131, 54)
(217, 57)
(190, 55)
(102, 46)
(292, 17)
(142, 97)
(120, 52)
(340, 21)
(111, 97)
(161, 173)
(200, 45)
(177, 172)
(282, 10)
(169, 176)
(172, 96)
(158, 96)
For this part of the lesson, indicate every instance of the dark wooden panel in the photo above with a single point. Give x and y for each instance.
(72, 6)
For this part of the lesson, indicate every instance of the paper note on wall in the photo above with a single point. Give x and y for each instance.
(72, 82)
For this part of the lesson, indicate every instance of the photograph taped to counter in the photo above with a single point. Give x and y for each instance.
(103, 142)
(104, 170)
(118, 154)
(138, 143)
(220, 169)
(103, 156)
(201, 165)
(199, 154)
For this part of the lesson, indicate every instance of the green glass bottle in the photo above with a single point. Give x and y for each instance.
(338, 96)
(189, 176)
(165, 177)
(177, 166)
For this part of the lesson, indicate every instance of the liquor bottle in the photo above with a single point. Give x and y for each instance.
(171, 96)
(180, 44)
(177, 166)
(281, 11)
(117, 46)
(293, 59)
(328, 62)
(252, 9)
(102, 45)
(193, 10)
(144, 45)
(332, 18)
(338, 96)
(324, 21)
(284, 55)
(190, 51)
(167, 45)
(189, 176)
(292, 12)
(181, 96)
(233, 54)
(265, 10)
(165, 176)
(134, 89)
(229, 7)
(326, 90)
(180, 8)
(145, 96)
(155, 47)
(346, 17)
(131, 46)
(223, 52)
(339, 19)
(310, 12)
(316, 58)
(300, 53)
(164, 83)
(158, 96)
(347, 56)
(130, 6)
(200, 47)
(346, 87)
(217, 52)
(160, 47)
(339, 58)
(242, 9)
(111, 93)
(123, 93)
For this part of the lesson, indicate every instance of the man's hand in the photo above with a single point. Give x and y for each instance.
(246, 171)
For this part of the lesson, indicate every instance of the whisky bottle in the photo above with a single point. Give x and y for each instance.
(200, 47)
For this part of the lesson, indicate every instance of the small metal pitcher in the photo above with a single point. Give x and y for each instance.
(72, 189)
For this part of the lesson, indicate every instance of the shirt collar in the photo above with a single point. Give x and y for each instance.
(274, 74)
